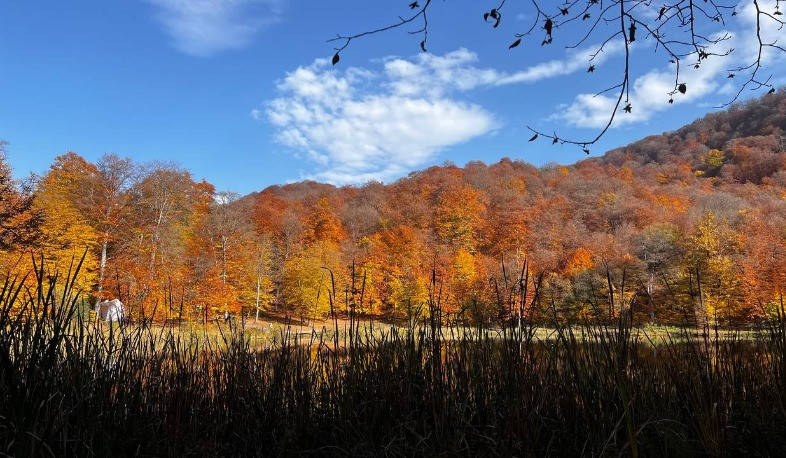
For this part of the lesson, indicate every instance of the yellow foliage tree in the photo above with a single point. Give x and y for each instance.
(66, 234)
(713, 245)
(458, 215)
(307, 285)
(468, 293)
(397, 274)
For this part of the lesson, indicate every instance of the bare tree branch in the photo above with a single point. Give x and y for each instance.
(681, 28)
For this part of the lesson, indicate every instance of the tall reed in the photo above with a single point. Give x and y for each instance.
(70, 386)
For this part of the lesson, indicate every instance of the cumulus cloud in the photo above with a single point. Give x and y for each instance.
(648, 96)
(208, 27)
(649, 92)
(354, 133)
(359, 124)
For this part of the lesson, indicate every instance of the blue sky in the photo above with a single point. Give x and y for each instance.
(242, 93)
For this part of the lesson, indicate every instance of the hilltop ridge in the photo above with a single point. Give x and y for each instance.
(705, 199)
(752, 132)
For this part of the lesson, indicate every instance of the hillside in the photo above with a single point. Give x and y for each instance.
(687, 225)
(751, 135)
(706, 199)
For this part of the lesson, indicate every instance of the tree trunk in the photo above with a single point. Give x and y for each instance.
(256, 318)
(102, 267)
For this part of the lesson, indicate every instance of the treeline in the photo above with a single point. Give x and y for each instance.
(684, 226)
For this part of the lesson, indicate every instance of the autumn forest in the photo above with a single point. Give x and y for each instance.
(690, 226)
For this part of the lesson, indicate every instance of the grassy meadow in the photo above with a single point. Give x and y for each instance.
(71, 388)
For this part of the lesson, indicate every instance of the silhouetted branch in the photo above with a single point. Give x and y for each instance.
(679, 27)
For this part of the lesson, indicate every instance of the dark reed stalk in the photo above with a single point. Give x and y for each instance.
(71, 387)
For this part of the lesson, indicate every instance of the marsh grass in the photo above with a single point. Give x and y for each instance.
(69, 387)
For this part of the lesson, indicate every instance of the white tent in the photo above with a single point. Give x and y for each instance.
(110, 310)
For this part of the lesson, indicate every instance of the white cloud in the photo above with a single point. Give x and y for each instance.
(359, 124)
(354, 134)
(435, 75)
(576, 60)
(649, 92)
(771, 32)
(208, 27)
(648, 96)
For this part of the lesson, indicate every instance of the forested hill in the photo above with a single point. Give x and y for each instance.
(688, 224)
(708, 199)
(752, 136)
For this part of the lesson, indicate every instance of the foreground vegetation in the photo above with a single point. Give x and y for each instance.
(69, 387)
